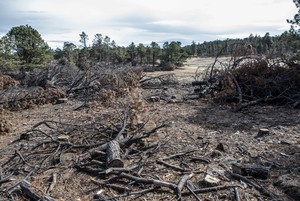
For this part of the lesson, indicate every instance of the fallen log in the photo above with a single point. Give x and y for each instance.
(28, 192)
(113, 158)
(256, 171)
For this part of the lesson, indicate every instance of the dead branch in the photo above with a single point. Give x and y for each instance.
(192, 192)
(28, 192)
(155, 182)
(53, 183)
(209, 189)
(237, 195)
(213, 65)
(179, 154)
(238, 89)
(255, 80)
(6, 180)
(256, 186)
(177, 168)
(182, 183)
(141, 192)
(113, 186)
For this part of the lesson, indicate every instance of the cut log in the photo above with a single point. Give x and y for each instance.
(113, 158)
(154, 99)
(262, 133)
(256, 171)
(209, 181)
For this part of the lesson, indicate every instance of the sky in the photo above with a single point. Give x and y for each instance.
(144, 21)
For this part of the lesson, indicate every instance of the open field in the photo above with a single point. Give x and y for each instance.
(191, 66)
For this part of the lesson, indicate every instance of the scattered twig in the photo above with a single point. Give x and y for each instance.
(53, 183)
(256, 186)
(182, 182)
(192, 192)
(237, 195)
(177, 168)
(179, 154)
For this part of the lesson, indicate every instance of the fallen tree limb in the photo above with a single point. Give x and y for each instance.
(238, 89)
(155, 182)
(209, 189)
(6, 180)
(256, 186)
(192, 192)
(123, 142)
(177, 168)
(182, 183)
(131, 194)
(179, 154)
(28, 192)
(113, 186)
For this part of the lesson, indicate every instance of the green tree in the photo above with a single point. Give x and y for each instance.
(155, 49)
(166, 51)
(132, 53)
(106, 48)
(193, 48)
(69, 51)
(141, 51)
(121, 54)
(177, 54)
(83, 39)
(6, 51)
(28, 45)
(296, 21)
(98, 47)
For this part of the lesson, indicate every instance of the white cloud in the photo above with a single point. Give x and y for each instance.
(147, 20)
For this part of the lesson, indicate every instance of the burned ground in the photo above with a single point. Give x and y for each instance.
(166, 135)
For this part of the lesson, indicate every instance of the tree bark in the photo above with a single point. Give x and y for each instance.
(113, 158)
(253, 170)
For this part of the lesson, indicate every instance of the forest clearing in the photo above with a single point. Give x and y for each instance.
(193, 102)
(170, 144)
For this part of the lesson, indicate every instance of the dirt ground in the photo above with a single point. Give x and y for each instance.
(195, 127)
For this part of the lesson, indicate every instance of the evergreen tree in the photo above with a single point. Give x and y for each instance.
(28, 45)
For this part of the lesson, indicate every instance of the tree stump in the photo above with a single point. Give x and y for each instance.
(262, 133)
(113, 158)
(209, 181)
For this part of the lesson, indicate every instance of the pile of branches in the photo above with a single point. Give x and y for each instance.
(107, 160)
(15, 99)
(252, 80)
(168, 79)
(24, 88)
(105, 148)
(94, 81)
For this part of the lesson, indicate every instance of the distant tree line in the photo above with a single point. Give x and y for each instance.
(23, 45)
(287, 42)
(106, 51)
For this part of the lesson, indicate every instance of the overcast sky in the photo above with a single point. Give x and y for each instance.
(143, 21)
